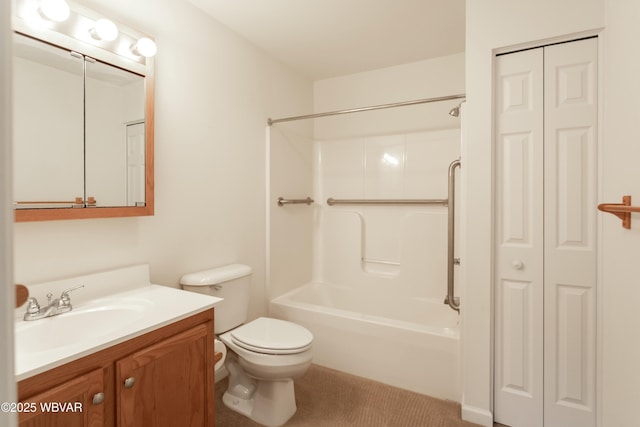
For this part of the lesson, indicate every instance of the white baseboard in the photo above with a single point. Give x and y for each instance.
(477, 415)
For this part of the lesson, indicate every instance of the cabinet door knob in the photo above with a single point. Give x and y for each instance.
(129, 382)
(98, 398)
(517, 264)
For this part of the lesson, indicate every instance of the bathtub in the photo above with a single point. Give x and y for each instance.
(409, 343)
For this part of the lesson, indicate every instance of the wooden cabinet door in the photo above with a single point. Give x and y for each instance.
(70, 404)
(167, 384)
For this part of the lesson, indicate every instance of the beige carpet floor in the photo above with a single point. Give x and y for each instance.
(328, 398)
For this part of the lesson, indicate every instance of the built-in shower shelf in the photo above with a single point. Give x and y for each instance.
(621, 210)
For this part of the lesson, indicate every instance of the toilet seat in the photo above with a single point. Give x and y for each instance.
(272, 336)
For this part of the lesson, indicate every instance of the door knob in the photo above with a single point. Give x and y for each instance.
(517, 264)
(129, 382)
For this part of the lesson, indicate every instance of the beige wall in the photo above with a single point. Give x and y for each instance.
(430, 78)
(620, 293)
(214, 92)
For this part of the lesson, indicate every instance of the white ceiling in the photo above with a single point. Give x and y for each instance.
(328, 38)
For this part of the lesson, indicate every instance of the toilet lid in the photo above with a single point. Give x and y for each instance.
(272, 336)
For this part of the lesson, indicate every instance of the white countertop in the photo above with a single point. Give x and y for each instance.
(99, 323)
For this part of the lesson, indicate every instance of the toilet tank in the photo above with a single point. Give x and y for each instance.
(230, 282)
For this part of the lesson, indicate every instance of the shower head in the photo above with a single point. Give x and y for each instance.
(455, 111)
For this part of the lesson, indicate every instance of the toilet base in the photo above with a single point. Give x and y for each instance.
(271, 404)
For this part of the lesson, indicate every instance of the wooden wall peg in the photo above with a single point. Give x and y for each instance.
(22, 293)
(621, 210)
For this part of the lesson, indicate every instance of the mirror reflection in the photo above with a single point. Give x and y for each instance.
(48, 129)
(114, 140)
(79, 130)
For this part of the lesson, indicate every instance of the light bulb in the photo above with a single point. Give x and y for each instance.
(104, 29)
(145, 47)
(55, 10)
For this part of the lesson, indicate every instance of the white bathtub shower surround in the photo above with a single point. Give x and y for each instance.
(375, 300)
(374, 296)
(397, 246)
(411, 343)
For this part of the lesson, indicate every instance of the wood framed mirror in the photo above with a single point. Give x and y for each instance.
(83, 122)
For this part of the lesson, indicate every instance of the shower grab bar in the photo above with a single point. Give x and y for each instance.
(282, 201)
(450, 202)
(332, 202)
(450, 299)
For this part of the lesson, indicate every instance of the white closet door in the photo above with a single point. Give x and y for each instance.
(519, 240)
(570, 233)
(545, 236)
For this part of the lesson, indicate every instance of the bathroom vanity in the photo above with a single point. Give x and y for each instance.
(164, 377)
(155, 367)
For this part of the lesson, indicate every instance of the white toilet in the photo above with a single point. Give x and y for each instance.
(266, 354)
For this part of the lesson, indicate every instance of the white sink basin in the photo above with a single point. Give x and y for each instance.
(67, 329)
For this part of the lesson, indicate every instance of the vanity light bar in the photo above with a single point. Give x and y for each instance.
(64, 20)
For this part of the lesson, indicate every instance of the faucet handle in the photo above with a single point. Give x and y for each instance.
(32, 306)
(64, 297)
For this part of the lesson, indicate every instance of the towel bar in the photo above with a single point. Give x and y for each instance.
(621, 210)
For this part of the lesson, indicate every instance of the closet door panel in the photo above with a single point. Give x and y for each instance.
(519, 245)
(570, 233)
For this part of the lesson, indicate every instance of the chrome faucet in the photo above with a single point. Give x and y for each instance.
(53, 308)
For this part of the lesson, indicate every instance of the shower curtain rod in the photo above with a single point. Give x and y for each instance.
(374, 107)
